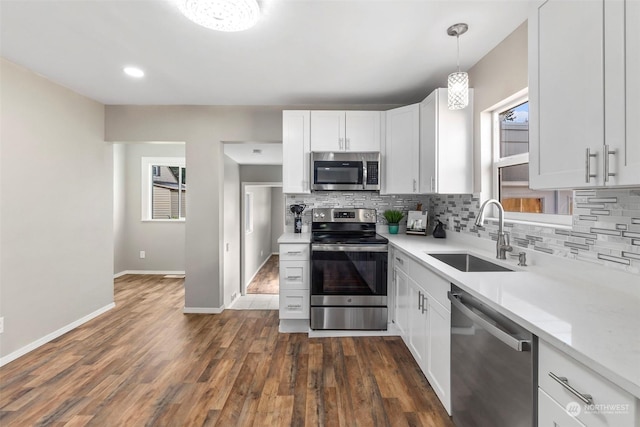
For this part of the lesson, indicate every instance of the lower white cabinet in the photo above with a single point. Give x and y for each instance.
(551, 414)
(294, 281)
(572, 394)
(423, 316)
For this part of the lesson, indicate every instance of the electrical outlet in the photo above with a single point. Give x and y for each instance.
(142, 254)
(1, 325)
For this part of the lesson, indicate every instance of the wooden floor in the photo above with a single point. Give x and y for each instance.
(147, 363)
(267, 279)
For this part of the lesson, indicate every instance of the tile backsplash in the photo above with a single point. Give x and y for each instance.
(353, 199)
(606, 227)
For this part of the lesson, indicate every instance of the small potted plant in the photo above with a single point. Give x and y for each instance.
(393, 218)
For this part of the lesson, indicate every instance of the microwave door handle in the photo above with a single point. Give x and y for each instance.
(364, 174)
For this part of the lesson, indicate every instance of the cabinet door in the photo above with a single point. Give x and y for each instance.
(295, 152)
(551, 414)
(327, 131)
(402, 298)
(402, 150)
(566, 93)
(362, 130)
(627, 167)
(418, 324)
(446, 150)
(439, 351)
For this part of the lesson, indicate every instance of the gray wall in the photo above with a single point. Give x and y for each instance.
(119, 207)
(257, 244)
(277, 217)
(231, 231)
(163, 242)
(203, 128)
(261, 173)
(56, 235)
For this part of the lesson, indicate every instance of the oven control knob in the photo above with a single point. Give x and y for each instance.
(367, 215)
(321, 215)
(316, 215)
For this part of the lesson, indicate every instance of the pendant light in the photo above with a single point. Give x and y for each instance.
(458, 82)
(221, 15)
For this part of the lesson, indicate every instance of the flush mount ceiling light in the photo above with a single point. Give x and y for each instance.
(458, 82)
(133, 72)
(221, 15)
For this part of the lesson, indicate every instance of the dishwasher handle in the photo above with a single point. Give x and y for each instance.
(484, 321)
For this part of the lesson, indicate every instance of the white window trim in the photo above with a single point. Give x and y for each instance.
(549, 220)
(146, 180)
(248, 212)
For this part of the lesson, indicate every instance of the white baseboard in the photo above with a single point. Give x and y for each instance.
(203, 310)
(53, 335)
(163, 272)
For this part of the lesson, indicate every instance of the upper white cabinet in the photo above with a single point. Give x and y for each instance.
(446, 151)
(295, 151)
(401, 154)
(345, 130)
(584, 94)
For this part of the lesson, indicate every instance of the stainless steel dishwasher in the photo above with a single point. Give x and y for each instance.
(493, 367)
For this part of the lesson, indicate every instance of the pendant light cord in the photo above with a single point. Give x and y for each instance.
(458, 58)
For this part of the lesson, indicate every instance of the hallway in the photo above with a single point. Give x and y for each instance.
(267, 279)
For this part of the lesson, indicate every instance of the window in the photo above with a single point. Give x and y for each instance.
(164, 187)
(248, 213)
(511, 171)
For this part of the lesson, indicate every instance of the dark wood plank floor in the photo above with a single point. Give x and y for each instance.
(267, 279)
(147, 363)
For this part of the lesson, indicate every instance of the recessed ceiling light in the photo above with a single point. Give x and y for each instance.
(221, 15)
(133, 72)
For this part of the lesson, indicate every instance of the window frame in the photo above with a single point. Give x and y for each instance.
(498, 162)
(147, 181)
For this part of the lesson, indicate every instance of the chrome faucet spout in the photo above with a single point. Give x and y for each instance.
(502, 245)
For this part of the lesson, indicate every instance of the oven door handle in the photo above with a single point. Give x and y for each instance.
(319, 247)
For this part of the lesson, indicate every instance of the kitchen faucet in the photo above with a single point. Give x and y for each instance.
(502, 245)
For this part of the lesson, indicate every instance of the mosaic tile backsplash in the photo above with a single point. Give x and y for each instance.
(606, 227)
(355, 199)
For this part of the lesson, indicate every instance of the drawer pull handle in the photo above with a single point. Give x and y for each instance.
(587, 399)
(294, 252)
(400, 261)
(293, 277)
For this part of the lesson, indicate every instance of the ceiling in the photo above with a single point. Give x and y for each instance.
(301, 52)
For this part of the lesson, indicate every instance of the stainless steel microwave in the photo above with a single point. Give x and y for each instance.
(345, 171)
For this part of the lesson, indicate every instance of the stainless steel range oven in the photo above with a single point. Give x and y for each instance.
(348, 270)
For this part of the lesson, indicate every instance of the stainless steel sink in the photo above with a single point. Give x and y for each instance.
(467, 262)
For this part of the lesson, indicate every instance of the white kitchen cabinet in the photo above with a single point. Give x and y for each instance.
(583, 94)
(423, 315)
(401, 154)
(551, 414)
(294, 280)
(345, 130)
(418, 333)
(610, 405)
(401, 284)
(446, 149)
(296, 151)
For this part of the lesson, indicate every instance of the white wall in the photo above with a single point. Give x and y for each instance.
(56, 238)
(261, 173)
(163, 242)
(257, 244)
(231, 234)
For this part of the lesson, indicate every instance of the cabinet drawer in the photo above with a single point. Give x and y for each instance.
(611, 407)
(294, 274)
(551, 414)
(294, 251)
(294, 304)
(401, 260)
(432, 283)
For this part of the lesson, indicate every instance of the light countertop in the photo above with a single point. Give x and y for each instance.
(295, 238)
(588, 311)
